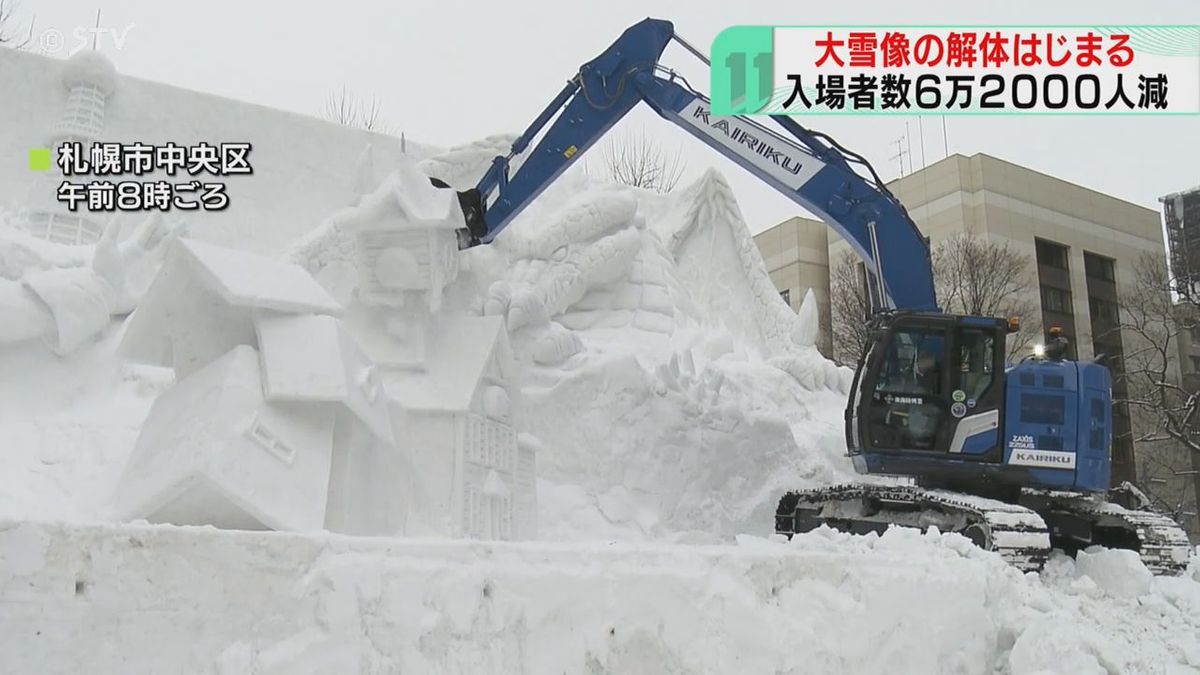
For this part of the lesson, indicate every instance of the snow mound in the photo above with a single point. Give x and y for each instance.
(1118, 573)
(1050, 646)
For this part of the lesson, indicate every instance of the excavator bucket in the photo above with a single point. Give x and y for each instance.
(471, 202)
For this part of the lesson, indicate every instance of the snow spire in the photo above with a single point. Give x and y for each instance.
(90, 79)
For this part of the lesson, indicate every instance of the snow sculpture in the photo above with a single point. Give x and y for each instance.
(66, 295)
(717, 260)
(450, 373)
(592, 266)
(597, 265)
(477, 471)
(90, 79)
(277, 420)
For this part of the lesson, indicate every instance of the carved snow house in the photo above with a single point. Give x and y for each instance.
(451, 374)
(277, 419)
(406, 243)
(461, 424)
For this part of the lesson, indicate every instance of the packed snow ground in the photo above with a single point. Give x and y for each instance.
(668, 439)
(153, 599)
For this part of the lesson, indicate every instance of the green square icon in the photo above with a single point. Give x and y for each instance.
(40, 159)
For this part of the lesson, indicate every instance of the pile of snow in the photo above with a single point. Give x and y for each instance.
(152, 598)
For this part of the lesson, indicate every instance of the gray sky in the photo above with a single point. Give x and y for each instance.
(448, 72)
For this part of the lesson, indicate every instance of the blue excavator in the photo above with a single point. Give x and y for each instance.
(1014, 457)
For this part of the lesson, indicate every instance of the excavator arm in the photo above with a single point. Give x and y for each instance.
(806, 166)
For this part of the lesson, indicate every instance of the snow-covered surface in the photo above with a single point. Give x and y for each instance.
(673, 398)
(135, 598)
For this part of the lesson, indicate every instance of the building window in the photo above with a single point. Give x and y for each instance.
(1123, 450)
(1051, 254)
(786, 294)
(1099, 267)
(1056, 300)
(1195, 363)
(1195, 333)
(1109, 354)
(1103, 310)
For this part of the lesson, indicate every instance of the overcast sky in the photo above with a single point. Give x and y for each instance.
(448, 72)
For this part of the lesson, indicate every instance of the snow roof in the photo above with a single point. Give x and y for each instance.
(456, 362)
(245, 279)
(203, 299)
(313, 358)
(405, 201)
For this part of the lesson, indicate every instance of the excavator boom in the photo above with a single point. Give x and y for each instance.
(805, 166)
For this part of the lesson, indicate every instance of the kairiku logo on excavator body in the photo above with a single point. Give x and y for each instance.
(740, 135)
(755, 146)
(1044, 458)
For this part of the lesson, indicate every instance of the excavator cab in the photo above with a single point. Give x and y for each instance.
(927, 386)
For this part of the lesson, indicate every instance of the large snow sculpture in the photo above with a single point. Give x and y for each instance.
(65, 295)
(278, 419)
(451, 373)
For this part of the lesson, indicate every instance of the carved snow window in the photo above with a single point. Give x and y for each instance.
(84, 113)
(269, 441)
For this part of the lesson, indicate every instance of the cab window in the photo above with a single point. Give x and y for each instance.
(976, 361)
(913, 364)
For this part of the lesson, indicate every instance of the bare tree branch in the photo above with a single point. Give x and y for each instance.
(848, 309)
(1159, 317)
(1155, 322)
(981, 277)
(972, 276)
(348, 110)
(640, 162)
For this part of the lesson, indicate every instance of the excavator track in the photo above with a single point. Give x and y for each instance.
(1160, 542)
(1023, 534)
(1018, 534)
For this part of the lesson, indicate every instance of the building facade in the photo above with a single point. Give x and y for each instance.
(1180, 471)
(1181, 213)
(1082, 245)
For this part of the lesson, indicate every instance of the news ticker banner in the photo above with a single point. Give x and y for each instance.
(945, 70)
